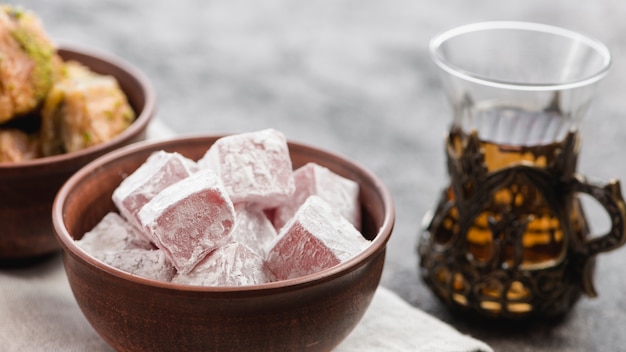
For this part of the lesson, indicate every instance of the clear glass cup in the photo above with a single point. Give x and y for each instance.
(517, 82)
(509, 237)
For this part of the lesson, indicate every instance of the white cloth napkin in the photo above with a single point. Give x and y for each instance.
(392, 325)
(38, 313)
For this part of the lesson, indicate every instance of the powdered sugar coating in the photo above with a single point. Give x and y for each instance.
(159, 171)
(316, 238)
(313, 179)
(151, 264)
(233, 264)
(255, 167)
(112, 234)
(189, 219)
(253, 228)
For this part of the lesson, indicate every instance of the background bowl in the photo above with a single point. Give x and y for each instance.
(310, 313)
(27, 189)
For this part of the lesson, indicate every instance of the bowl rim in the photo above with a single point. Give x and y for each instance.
(69, 246)
(139, 124)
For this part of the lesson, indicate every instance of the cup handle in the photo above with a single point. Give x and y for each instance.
(610, 197)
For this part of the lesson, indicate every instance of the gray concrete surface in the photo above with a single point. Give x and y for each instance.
(356, 77)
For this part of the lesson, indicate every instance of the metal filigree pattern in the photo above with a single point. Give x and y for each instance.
(512, 242)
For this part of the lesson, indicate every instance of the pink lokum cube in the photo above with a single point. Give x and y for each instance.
(255, 167)
(313, 179)
(316, 238)
(112, 234)
(160, 170)
(253, 228)
(151, 264)
(189, 219)
(231, 265)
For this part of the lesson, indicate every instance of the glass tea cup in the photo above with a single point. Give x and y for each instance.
(509, 237)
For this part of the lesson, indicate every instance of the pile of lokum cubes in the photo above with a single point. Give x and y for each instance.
(240, 215)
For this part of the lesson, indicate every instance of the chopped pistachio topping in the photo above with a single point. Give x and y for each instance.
(42, 54)
(15, 12)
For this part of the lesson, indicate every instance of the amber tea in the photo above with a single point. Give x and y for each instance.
(542, 241)
(510, 135)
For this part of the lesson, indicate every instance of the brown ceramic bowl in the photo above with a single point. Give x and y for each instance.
(310, 313)
(27, 189)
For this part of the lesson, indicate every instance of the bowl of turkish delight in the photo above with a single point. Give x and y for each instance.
(61, 106)
(237, 242)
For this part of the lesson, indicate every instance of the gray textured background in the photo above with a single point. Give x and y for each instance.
(355, 77)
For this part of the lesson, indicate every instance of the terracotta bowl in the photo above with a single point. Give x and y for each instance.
(27, 189)
(310, 313)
